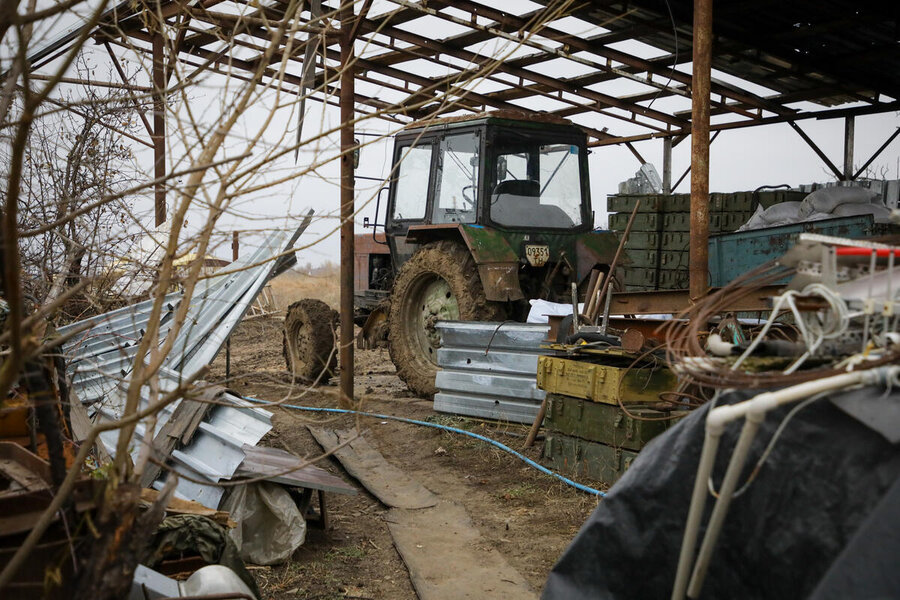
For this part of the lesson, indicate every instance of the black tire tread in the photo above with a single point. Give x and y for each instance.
(312, 324)
(454, 263)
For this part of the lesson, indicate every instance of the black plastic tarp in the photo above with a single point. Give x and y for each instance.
(821, 482)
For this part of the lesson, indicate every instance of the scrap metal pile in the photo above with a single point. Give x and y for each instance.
(793, 436)
(203, 438)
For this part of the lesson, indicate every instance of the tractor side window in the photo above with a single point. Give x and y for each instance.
(411, 197)
(457, 181)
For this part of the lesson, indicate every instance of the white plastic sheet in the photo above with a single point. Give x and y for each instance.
(270, 526)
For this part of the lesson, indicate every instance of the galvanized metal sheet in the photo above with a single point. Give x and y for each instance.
(499, 361)
(501, 409)
(493, 336)
(513, 386)
(489, 370)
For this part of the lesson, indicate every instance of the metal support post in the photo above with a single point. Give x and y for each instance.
(235, 253)
(667, 165)
(159, 125)
(700, 82)
(849, 131)
(347, 188)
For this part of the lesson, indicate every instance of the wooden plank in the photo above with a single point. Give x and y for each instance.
(448, 559)
(180, 428)
(272, 464)
(385, 481)
(179, 506)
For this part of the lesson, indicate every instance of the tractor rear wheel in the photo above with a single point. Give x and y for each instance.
(439, 282)
(308, 340)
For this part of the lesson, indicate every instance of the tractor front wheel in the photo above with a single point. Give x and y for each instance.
(439, 282)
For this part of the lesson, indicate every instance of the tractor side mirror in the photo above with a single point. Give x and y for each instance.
(356, 155)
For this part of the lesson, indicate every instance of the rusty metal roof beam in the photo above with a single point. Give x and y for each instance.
(468, 56)
(833, 113)
(640, 64)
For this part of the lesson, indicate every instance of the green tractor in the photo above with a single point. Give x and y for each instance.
(483, 213)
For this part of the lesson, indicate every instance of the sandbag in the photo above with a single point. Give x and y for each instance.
(825, 200)
(783, 213)
(270, 526)
(880, 213)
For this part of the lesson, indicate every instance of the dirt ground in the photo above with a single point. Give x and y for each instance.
(525, 515)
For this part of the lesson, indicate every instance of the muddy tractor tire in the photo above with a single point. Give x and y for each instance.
(308, 340)
(439, 282)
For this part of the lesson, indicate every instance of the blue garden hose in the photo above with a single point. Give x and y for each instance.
(528, 461)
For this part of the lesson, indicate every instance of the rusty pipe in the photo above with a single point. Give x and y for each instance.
(347, 189)
(700, 89)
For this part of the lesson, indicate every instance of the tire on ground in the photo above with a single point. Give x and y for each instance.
(308, 340)
(440, 281)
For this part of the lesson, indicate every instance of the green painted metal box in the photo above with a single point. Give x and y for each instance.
(606, 423)
(658, 240)
(581, 458)
(603, 383)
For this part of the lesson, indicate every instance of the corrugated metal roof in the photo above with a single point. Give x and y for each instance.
(101, 358)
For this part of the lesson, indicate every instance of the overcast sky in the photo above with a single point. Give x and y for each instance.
(740, 159)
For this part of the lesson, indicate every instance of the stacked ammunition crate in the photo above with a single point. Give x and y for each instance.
(590, 433)
(660, 237)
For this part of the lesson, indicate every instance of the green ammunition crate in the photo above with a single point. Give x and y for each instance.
(718, 202)
(642, 221)
(670, 260)
(663, 278)
(636, 276)
(604, 423)
(773, 197)
(674, 280)
(677, 203)
(625, 204)
(734, 202)
(580, 458)
(603, 383)
(644, 259)
(680, 221)
(652, 240)
(642, 240)
(651, 259)
(727, 222)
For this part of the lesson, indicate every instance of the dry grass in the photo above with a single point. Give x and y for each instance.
(294, 285)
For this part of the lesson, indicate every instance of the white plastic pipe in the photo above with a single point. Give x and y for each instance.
(695, 512)
(726, 493)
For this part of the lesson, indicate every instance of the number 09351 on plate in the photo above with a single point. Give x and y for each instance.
(537, 254)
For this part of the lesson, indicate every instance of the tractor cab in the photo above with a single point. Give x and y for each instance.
(484, 213)
(507, 174)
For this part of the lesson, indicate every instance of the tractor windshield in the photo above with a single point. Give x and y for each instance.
(536, 184)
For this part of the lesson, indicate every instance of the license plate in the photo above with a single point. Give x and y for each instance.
(537, 255)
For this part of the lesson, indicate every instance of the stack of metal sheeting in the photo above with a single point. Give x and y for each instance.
(489, 369)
